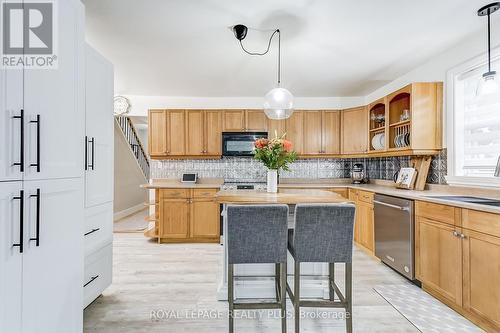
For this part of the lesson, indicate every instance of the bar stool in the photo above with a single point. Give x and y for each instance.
(257, 234)
(323, 233)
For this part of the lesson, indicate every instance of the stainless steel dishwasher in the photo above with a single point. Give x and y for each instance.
(394, 233)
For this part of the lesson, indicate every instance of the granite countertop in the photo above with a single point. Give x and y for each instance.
(176, 183)
(380, 187)
(284, 197)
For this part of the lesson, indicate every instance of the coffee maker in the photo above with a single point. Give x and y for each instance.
(358, 173)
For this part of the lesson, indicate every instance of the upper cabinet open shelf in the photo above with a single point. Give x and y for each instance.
(404, 123)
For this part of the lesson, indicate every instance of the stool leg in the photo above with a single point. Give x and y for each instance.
(331, 280)
(277, 280)
(348, 296)
(230, 295)
(283, 296)
(296, 292)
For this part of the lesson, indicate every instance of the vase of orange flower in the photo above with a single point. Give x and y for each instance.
(276, 154)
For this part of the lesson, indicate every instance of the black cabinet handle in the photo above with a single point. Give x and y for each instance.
(86, 153)
(21, 218)
(37, 196)
(37, 122)
(93, 142)
(91, 231)
(91, 280)
(21, 154)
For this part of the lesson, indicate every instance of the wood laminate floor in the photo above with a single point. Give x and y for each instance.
(177, 283)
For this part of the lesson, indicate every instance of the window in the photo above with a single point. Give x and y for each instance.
(474, 144)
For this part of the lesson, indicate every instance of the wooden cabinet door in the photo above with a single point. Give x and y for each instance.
(213, 132)
(194, 133)
(438, 258)
(295, 131)
(256, 121)
(205, 219)
(366, 227)
(354, 131)
(481, 274)
(312, 133)
(176, 132)
(233, 120)
(174, 218)
(330, 132)
(157, 126)
(276, 128)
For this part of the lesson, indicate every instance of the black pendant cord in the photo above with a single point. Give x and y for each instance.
(277, 31)
(489, 44)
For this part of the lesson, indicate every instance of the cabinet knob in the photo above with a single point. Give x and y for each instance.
(456, 234)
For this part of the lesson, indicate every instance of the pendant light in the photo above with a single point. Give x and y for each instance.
(278, 103)
(489, 82)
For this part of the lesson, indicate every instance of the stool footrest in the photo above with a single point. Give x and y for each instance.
(322, 304)
(256, 306)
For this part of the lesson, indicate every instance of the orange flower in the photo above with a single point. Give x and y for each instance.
(287, 145)
(261, 143)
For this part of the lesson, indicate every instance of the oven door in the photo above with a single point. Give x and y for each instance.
(240, 144)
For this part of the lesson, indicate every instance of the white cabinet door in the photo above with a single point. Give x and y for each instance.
(10, 257)
(56, 97)
(11, 110)
(53, 268)
(99, 129)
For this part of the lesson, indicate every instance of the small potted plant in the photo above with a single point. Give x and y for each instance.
(275, 154)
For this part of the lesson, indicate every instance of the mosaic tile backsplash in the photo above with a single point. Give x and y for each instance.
(248, 169)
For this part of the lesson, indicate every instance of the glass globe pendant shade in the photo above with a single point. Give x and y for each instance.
(488, 84)
(278, 104)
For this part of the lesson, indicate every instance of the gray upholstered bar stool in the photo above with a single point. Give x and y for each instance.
(323, 233)
(257, 234)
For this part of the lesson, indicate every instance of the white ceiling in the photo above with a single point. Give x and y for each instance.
(329, 47)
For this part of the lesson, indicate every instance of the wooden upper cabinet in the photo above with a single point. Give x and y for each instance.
(157, 125)
(176, 133)
(312, 133)
(195, 144)
(233, 120)
(330, 132)
(295, 131)
(438, 258)
(276, 128)
(255, 121)
(213, 133)
(354, 131)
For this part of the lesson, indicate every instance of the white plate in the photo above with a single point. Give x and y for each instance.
(374, 141)
(381, 141)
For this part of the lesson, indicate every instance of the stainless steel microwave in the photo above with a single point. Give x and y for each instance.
(240, 143)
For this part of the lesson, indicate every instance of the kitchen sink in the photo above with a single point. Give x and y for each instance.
(467, 199)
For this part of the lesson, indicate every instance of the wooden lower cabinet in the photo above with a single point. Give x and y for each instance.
(438, 257)
(481, 272)
(188, 215)
(364, 219)
(174, 218)
(205, 221)
(459, 265)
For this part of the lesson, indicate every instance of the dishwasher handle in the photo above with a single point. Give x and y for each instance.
(390, 205)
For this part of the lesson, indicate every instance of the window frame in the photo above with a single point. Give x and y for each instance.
(451, 75)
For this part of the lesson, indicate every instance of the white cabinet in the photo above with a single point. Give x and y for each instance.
(11, 122)
(99, 129)
(11, 263)
(53, 104)
(53, 256)
(99, 166)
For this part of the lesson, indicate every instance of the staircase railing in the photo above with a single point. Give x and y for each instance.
(133, 140)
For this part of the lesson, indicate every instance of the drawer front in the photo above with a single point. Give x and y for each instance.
(365, 196)
(98, 229)
(204, 192)
(486, 223)
(97, 274)
(437, 212)
(174, 193)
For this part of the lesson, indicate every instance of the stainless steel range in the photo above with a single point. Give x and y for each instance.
(243, 185)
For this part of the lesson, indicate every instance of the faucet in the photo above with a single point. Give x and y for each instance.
(497, 170)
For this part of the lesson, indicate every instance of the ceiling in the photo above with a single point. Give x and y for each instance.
(329, 47)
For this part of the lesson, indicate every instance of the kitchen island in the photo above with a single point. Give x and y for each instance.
(257, 280)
